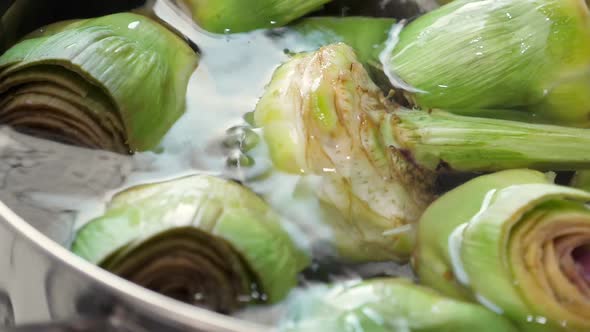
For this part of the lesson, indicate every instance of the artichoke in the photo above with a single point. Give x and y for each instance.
(317, 116)
(116, 82)
(515, 243)
(231, 16)
(199, 239)
(386, 305)
(526, 55)
(322, 116)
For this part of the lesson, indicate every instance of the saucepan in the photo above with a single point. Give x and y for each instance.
(294, 165)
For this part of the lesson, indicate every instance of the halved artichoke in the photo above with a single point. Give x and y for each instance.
(200, 239)
(231, 16)
(322, 117)
(386, 305)
(514, 243)
(530, 55)
(116, 82)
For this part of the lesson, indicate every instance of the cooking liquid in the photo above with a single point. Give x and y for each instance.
(59, 188)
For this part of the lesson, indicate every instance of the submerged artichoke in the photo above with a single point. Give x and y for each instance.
(116, 82)
(323, 117)
(515, 243)
(386, 305)
(231, 16)
(318, 117)
(200, 239)
(528, 55)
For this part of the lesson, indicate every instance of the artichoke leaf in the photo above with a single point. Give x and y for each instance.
(200, 239)
(125, 71)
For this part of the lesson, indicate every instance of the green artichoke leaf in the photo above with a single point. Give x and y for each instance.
(201, 239)
(122, 77)
(385, 305)
(528, 55)
(521, 254)
(233, 16)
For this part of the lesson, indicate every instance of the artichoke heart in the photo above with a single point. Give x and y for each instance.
(116, 82)
(514, 243)
(232, 16)
(199, 239)
(525, 55)
(386, 305)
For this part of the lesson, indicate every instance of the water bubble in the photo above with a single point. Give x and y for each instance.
(239, 159)
(241, 137)
(541, 320)
(133, 25)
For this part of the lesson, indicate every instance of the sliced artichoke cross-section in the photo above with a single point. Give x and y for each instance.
(116, 82)
(199, 239)
(514, 243)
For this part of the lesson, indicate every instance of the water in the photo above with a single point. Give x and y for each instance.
(58, 188)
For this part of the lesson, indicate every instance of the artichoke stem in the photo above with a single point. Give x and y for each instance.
(441, 141)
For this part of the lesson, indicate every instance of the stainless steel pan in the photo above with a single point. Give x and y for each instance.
(44, 287)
